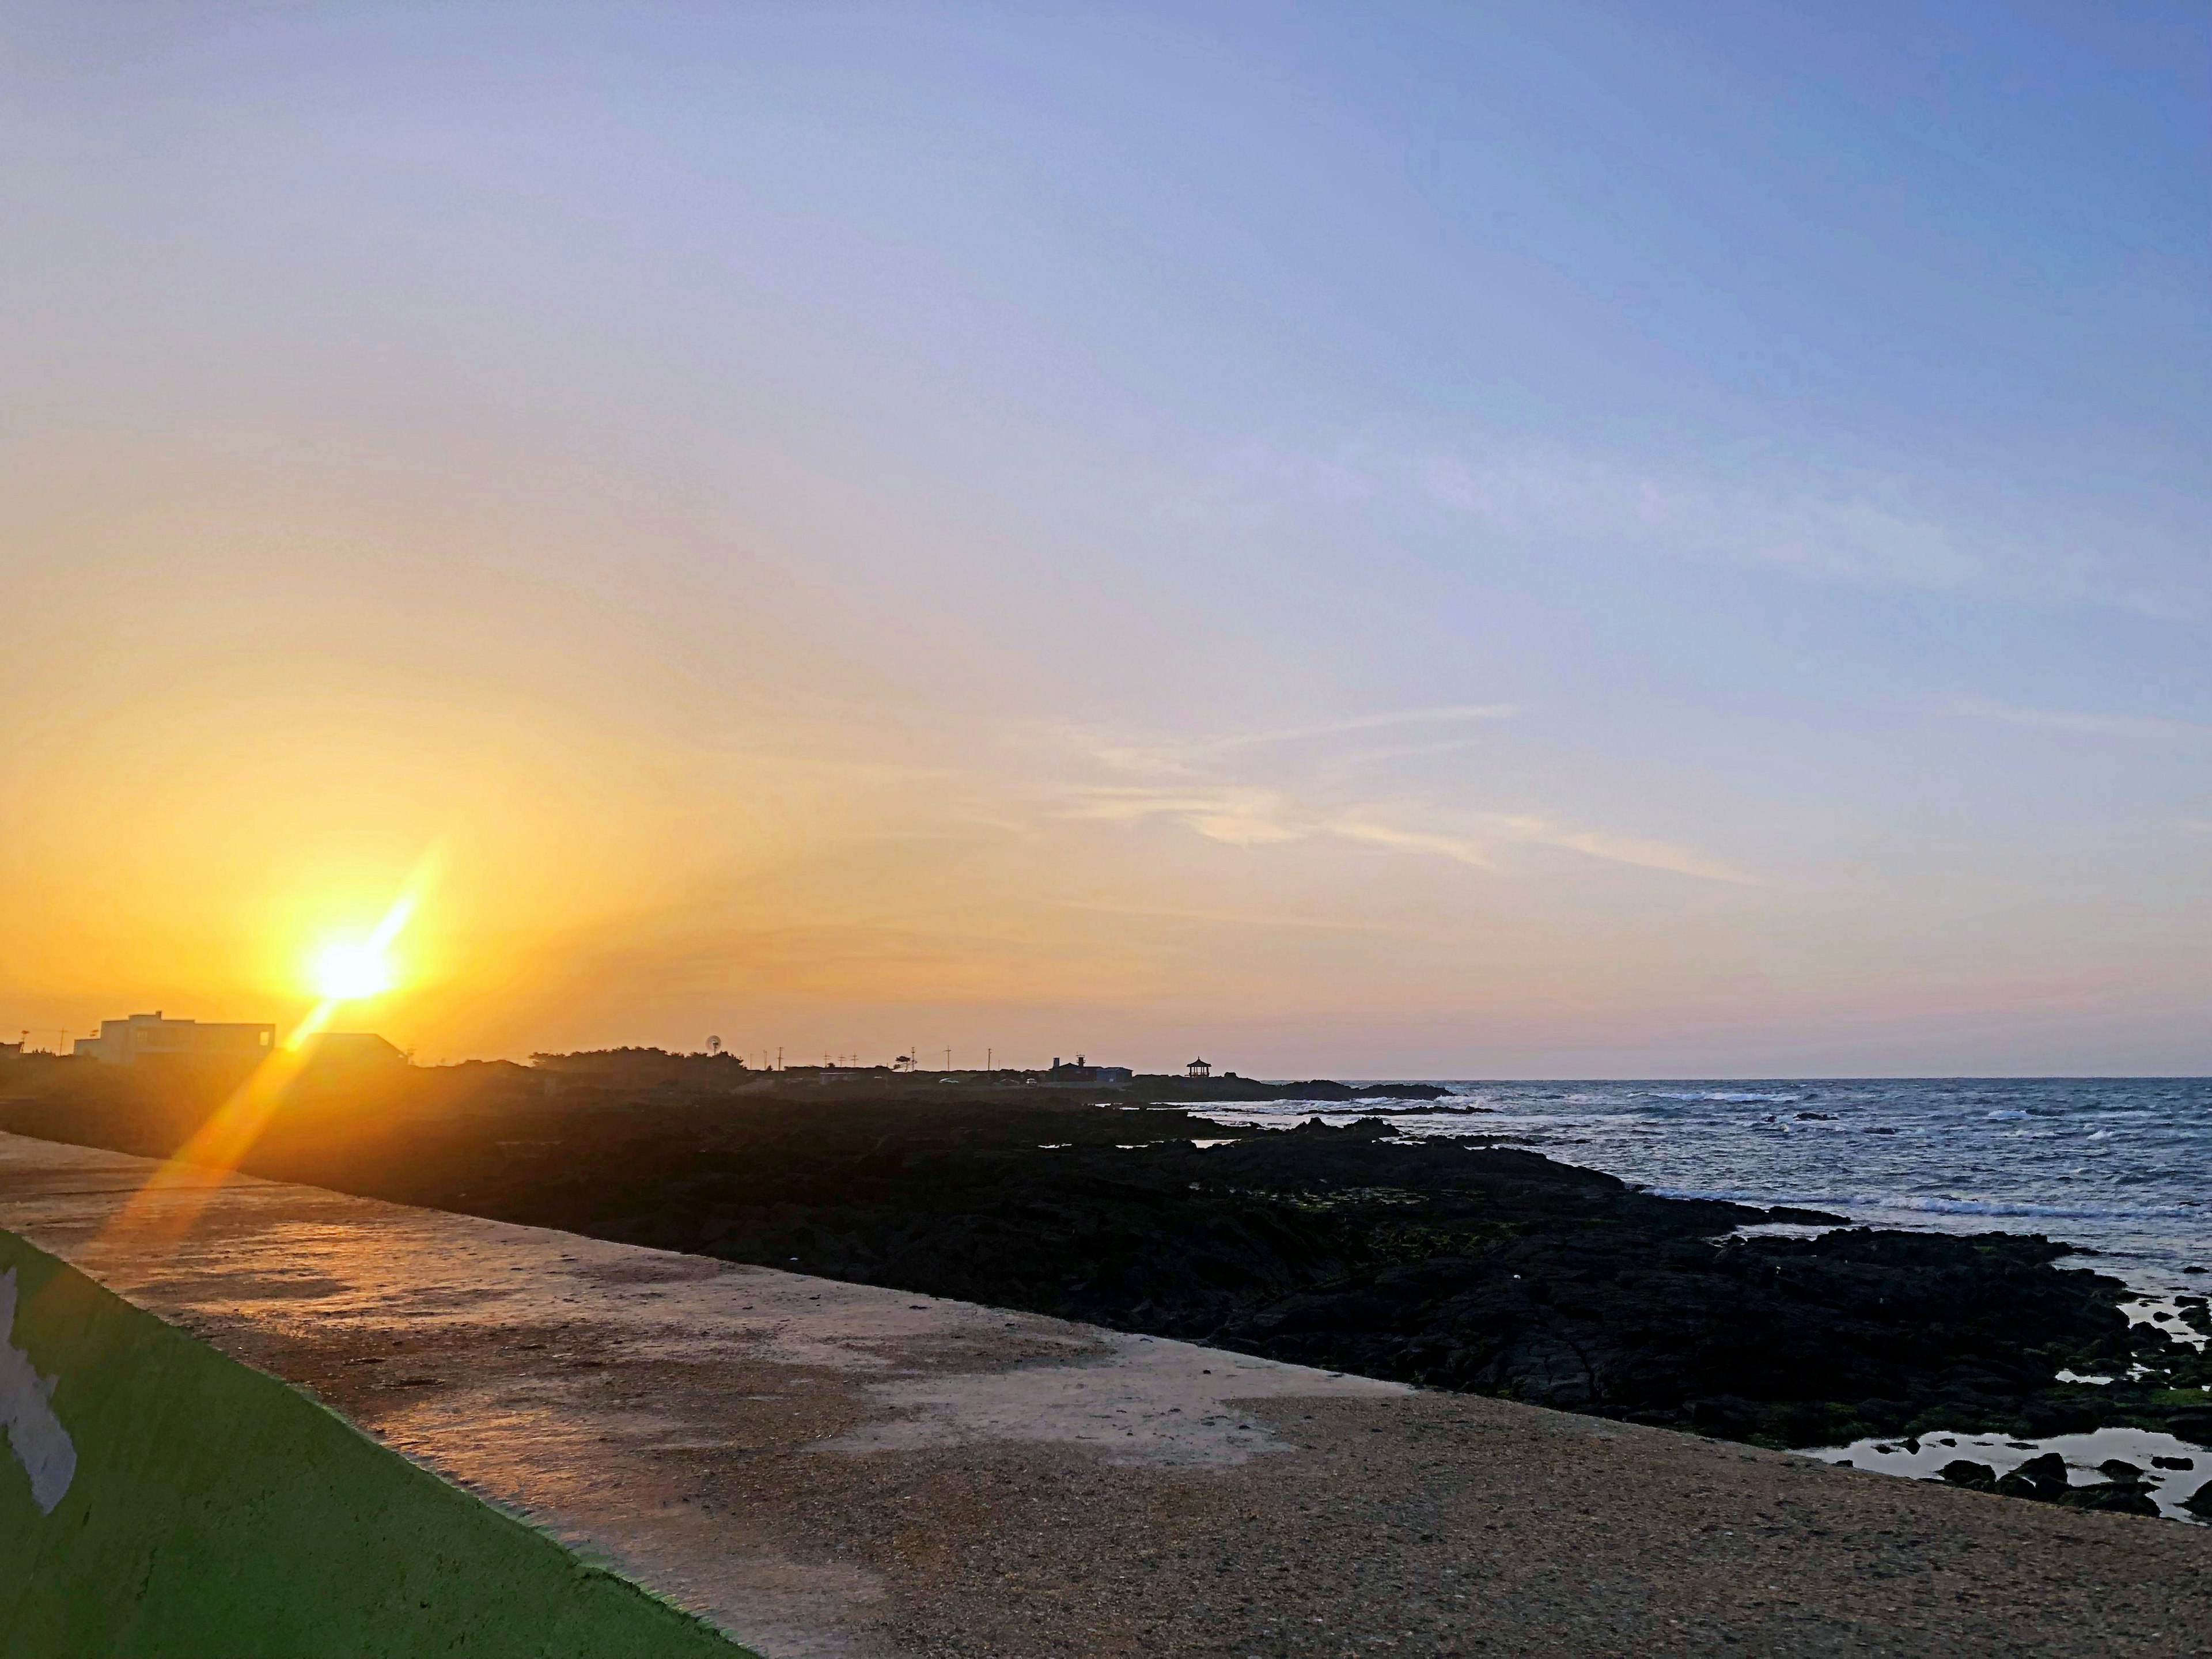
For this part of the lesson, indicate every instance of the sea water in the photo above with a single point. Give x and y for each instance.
(2120, 1167)
(1921, 1460)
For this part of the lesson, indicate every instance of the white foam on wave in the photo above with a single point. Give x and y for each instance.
(1730, 1097)
(1944, 1155)
(1973, 1207)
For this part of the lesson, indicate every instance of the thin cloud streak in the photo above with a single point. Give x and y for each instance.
(1858, 536)
(1257, 817)
(1871, 530)
(1490, 711)
(1183, 755)
(1855, 539)
(1456, 848)
(1241, 919)
(2074, 723)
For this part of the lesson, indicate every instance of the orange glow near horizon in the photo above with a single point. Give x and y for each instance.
(819, 589)
(165, 1209)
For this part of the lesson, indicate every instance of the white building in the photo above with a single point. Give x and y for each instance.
(122, 1042)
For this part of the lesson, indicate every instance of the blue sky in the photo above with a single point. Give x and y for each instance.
(1584, 539)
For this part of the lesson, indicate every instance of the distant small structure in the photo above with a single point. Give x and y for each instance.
(353, 1051)
(11, 1051)
(138, 1037)
(1198, 1068)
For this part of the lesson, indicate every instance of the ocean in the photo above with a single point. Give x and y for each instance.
(2121, 1167)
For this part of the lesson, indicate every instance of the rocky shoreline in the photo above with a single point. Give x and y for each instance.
(1446, 1262)
(2044, 1478)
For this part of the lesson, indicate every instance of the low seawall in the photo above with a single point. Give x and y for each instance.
(162, 1498)
(828, 1470)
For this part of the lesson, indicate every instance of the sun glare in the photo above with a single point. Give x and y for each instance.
(349, 972)
(353, 969)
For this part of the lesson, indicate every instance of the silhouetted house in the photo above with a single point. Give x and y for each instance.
(140, 1036)
(11, 1050)
(352, 1051)
(1198, 1068)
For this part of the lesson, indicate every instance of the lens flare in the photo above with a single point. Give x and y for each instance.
(165, 1209)
(349, 972)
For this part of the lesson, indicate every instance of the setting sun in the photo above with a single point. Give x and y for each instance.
(354, 968)
(349, 972)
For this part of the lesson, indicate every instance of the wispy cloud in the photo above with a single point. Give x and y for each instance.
(2075, 723)
(1241, 919)
(1631, 849)
(1863, 534)
(1853, 537)
(1461, 848)
(1242, 817)
(1866, 529)
(1486, 711)
(1188, 755)
(1256, 817)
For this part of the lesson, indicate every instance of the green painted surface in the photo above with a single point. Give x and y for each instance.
(214, 1511)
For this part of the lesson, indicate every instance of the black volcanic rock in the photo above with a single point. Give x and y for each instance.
(1963, 1472)
(2192, 1424)
(1440, 1261)
(2043, 1477)
(2112, 1497)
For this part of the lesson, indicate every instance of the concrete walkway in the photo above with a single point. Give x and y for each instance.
(825, 1468)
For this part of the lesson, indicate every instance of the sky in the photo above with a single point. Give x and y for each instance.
(1582, 540)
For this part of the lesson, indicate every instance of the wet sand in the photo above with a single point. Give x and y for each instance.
(824, 1467)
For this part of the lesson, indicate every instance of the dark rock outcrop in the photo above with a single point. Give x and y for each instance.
(1444, 1262)
(1964, 1472)
(2112, 1497)
(2043, 1477)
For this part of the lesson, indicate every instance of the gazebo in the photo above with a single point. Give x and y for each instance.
(1198, 1068)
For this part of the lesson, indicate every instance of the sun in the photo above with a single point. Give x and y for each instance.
(350, 973)
(355, 967)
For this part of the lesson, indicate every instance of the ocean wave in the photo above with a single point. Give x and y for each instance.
(1941, 1155)
(1918, 1205)
(1728, 1097)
